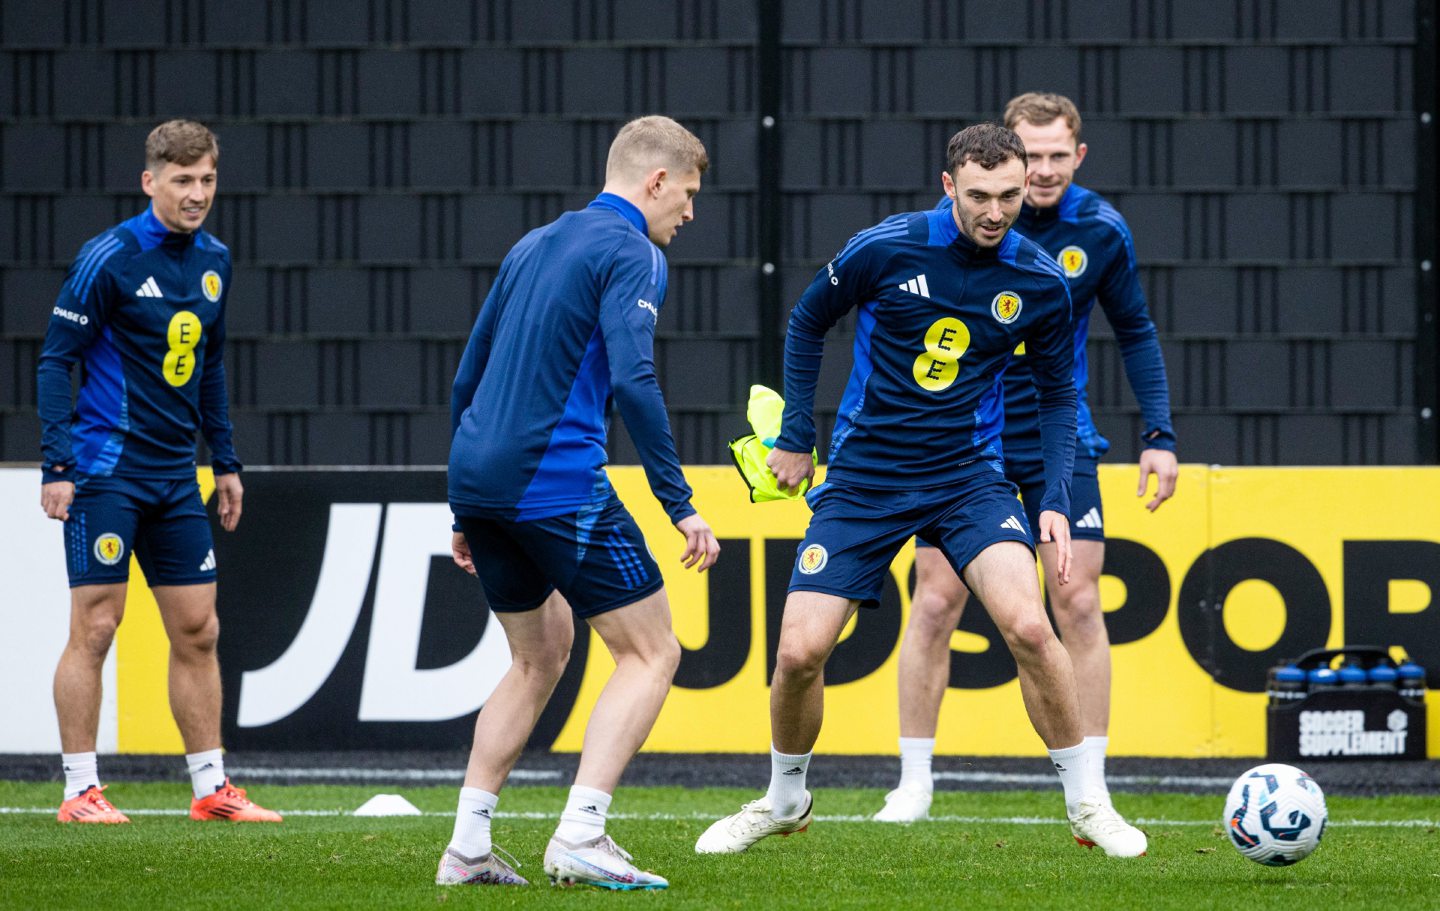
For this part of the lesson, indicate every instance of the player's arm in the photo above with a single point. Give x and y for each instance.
(1123, 300)
(832, 293)
(477, 352)
(1050, 348)
(76, 321)
(215, 421)
(635, 278)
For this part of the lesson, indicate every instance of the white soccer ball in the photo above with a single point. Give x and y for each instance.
(1275, 814)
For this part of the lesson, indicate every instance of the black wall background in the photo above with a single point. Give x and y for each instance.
(380, 157)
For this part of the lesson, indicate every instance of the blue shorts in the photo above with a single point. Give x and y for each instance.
(856, 532)
(162, 520)
(597, 558)
(1087, 515)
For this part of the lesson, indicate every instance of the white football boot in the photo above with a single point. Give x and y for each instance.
(1094, 823)
(485, 870)
(598, 862)
(906, 803)
(738, 832)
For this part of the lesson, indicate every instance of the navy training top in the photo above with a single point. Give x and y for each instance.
(939, 319)
(142, 311)
(568, 323)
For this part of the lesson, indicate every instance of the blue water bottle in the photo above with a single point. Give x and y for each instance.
(1322, 678)
(1411, 681)
(1383, 675)
(1352, 675)
(1289, 685)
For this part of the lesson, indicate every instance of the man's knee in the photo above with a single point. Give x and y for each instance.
(1029, 635)
(196, 637)
(935, 611)
(93, 634)
(1077, 606)
(801, 656)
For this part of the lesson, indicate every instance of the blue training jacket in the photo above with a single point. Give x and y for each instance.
(142, 311)
(569, 323)
(939, 319)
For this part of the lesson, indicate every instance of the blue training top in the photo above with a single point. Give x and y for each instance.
(569, 322)
(939, 319)
(1093, 245)
(143, 311)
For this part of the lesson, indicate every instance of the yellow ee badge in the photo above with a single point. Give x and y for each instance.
(210, 284)
(109, 548)
(1006, 307)
(1073, 260)
(813, 559)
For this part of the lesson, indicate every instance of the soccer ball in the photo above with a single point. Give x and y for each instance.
(1275, 814)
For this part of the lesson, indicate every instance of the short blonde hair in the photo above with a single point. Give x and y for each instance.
(181, 142)
(653, 142)
(1040, 108)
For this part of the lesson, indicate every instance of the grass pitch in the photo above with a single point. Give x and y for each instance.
(983, 850)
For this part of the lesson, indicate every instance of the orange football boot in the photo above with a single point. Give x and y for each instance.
(90, 806)
(230, 803)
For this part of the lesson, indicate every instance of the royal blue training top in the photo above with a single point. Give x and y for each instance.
(569, 323)
(1093, 245)
(939, 319)
(142, 311)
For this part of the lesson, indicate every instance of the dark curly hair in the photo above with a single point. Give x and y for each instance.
(986, 144)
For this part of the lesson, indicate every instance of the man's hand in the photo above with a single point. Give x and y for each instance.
(56, 497)
(1055, 527)
(230, 492)
(460, 552)
(791, 469)
(1163, 465)
(701, 548)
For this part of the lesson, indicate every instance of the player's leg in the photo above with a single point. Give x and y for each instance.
(176, 551)
(98, 538)
(923, 676)
(992, 548)
(617, 587)
(540, 631)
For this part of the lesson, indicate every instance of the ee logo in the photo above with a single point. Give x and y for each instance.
(183, 336)
(945, 342)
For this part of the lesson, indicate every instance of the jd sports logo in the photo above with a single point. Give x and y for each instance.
(1091, 519)
(1013, 524)
(149, 289)
(917, 285)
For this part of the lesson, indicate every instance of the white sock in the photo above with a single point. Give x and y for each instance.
(787, 783)
(1070, 763)
(1095, 771)
(915, 756)
(207, 772)
(471, 838)
(81, 771)
(584, 816)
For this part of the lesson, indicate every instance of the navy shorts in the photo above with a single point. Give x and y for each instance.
(1087, 516)
(597, 558)
(855, 532)
(162, 521)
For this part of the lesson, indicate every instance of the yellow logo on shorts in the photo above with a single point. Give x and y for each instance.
(109, 548)
(210, 284)
(1073, 260)
(1006, 307)
(813, 559)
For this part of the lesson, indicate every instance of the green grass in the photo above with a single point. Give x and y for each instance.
(979, 858)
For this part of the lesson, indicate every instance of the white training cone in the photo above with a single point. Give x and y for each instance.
(387, 805)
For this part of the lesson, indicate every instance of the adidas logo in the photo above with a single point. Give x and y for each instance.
(149, 289)
(1091, 519)
(1013, 524)
(916, 285)
(481, 812)
(209, 563)
(1060, 768)
(795, 771)
(590, 809)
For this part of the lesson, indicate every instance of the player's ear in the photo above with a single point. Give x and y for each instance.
(656, 181)
(147, 182)
(947, 183)
(1080, 151)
